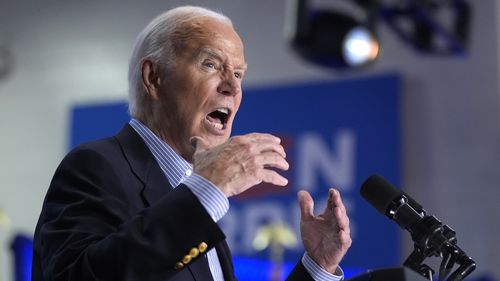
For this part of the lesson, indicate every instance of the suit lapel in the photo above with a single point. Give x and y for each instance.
(156, 185)
(143, 165)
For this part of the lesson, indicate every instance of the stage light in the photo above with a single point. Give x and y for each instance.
(340, 38)
(360, 46)
(331, 38)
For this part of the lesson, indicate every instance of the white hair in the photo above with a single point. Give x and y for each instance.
(157, 42)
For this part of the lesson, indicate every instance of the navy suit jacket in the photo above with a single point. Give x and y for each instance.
(111, 214)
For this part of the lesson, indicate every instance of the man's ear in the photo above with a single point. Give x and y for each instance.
(151, 80)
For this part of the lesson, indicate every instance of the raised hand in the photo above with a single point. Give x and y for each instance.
(326, 237)
(241, 162)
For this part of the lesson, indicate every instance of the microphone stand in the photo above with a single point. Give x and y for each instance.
(415, 262)
(432, 238)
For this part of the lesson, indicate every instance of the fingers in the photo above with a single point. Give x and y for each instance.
(257, 143)
(306, 204)
(273, 177)
(345, 239)
(271, 160)
(342, 220)
(270, 147)
(263, 151)
(336, 210)
(334, 200)
(263, 137)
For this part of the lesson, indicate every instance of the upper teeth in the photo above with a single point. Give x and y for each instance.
(223, 110)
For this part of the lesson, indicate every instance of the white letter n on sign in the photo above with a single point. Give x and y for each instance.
(314, 158)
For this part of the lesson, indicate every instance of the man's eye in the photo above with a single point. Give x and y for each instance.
(238, 75)
(209, 64)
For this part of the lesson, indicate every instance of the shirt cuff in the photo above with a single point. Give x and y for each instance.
(211, 197)
(318, 273)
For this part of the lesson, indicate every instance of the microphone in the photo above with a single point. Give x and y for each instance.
(430, 236)
(392, 202)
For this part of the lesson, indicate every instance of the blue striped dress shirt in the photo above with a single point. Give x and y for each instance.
(177, 170)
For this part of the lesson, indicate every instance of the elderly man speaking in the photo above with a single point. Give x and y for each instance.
(144, 204)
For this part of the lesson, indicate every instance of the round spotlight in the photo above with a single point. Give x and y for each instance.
(333, 39)
(359, 46)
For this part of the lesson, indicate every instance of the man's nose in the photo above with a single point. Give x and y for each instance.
(229, 85)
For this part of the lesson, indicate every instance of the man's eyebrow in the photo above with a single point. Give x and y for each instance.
(242, 67)
(210, 52)
(217, 55)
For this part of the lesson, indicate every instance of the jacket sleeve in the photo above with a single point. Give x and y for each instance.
(299, 273)
(91, 228)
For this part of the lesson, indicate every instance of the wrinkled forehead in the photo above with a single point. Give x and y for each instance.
(196, 29)
(203, 33)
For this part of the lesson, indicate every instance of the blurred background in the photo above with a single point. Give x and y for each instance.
(58, 58)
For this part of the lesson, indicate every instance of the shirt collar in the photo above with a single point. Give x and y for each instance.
(175, 168)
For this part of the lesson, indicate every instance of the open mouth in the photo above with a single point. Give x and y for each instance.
(218, 118)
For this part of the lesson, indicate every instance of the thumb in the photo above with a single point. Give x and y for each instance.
(306, 204)
(198, 144)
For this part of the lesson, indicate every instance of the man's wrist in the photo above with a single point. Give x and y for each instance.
(211, 197)
(318, 273)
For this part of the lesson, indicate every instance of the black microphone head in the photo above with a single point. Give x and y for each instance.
(414, 204)
(380, 193)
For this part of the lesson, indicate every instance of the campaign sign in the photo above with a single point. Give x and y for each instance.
(335, 134)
